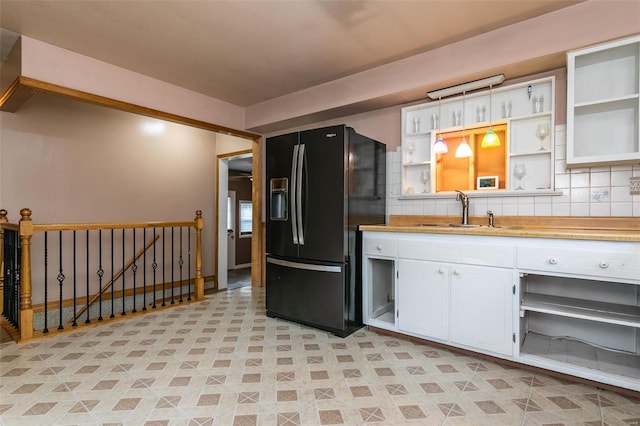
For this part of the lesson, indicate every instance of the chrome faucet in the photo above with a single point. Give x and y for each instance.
(464, 199)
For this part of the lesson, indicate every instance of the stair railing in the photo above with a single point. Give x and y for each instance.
(17, 271)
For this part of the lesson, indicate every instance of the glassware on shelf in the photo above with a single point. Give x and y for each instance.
(506, 109)
(416, 125)
(424, 178)
(480, 113)
(519, 172)
(542, 131)
(410, 148)
(538, 104)
(457, 115)
(434, 121)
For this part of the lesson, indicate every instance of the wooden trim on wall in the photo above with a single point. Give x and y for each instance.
(258, 241)
(15, 96)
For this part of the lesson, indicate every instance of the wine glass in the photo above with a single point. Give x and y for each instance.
(519, 171)
(410, 148)
(542, 131)
(424, 178)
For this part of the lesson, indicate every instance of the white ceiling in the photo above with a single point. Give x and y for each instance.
(246, 52)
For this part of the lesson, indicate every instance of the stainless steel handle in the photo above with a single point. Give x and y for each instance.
(294, 166)
(299, 196)
(305, 266)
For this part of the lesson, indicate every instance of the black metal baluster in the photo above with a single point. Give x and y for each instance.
(112, 283)
(189, 262)
(88, 320)
(46, 263)
(172, 265)
(144, 270)
(74, 323)
(12, 253)
(180, 262)
(100, 274)
(164, 267)
(154, 265)
(134, 268)
(123, 274)
(60, 279)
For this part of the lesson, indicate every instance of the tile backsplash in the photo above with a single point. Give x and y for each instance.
(587, 191)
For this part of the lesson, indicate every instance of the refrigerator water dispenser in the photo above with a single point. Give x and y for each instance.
(279, 198)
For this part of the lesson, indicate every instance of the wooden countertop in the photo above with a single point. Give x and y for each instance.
(575, 228)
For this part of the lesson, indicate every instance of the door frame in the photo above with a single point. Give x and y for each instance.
(232, 236)
(258, 235)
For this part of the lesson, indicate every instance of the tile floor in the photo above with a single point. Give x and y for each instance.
(238, 278)
(223, 362)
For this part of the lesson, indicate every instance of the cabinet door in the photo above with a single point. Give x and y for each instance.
(423, 298)
(603, 104)
(482, 308)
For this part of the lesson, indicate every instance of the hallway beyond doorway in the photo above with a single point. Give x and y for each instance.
(238, 278)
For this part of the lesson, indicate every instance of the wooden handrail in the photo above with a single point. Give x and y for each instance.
(26, 229)
(115, 278)
(112, 225)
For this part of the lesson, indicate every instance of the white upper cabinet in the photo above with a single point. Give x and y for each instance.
(603, 104)
(522, 114)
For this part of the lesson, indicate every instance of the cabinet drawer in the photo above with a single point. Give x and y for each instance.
(466, 251)
(623, 264)
(381, 247)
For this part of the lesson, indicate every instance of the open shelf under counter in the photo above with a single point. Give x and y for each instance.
(581, 354)
(612, 313)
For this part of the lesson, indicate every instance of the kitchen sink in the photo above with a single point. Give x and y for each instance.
(460, 225)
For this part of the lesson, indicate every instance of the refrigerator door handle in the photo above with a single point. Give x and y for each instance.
(294, 185)
(305, 266)
(299, 196)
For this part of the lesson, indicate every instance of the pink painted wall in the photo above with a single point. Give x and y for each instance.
(524, 48)
(55, 65)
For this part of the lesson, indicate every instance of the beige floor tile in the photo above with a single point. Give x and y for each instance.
(222, 361)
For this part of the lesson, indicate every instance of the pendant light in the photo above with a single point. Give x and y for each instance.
(490, 139)
(440, 146)
(463, 150)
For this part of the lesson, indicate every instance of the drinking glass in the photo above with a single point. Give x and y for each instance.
(542, 131)
(519, 172)
(424, 178)
(410, 148)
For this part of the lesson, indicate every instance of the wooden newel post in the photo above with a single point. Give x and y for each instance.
(26, 310)
(3, 219)
(199, 282)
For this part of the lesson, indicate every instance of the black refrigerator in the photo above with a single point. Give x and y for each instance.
(321, 184)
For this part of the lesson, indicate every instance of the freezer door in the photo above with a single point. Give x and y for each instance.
(307, 293)
(280, 235)
(323, 198)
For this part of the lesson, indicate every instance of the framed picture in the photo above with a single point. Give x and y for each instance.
(487, 182)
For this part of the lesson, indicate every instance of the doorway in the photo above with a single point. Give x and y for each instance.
(235, 220)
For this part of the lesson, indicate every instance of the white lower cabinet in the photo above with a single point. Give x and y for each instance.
(482, 308)
(471, 306)
(580, 309)
(423, 298)
(571, 306)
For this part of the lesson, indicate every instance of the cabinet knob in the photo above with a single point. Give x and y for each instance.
(441, 271)
(379, 247)
(456, 272)
(604, 264)
(553, 261)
